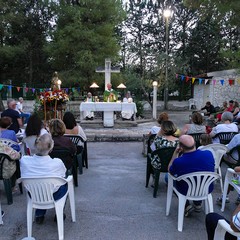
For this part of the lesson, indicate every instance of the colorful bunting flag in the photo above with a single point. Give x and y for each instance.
(222, 81)
(206, 81)
(26, 89)
(176, 75)
(200, 81)
(1, 86)
(214, 82)
(182, 77)
(193, 80)
(18, 89)
(231, 82)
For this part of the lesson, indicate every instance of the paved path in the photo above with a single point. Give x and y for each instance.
(112, 203)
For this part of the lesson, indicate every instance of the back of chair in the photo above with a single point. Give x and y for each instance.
(237, 149)
(8, 142)
(198, 184)
(65, 155)
(4, 157)
(196, 137)
(225, 137)
(74, 138)
(149, 142)
(165, 156)
(41, 189)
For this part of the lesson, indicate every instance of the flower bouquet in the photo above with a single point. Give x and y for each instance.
(53, 101)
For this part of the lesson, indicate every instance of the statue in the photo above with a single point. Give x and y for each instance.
(56, 82)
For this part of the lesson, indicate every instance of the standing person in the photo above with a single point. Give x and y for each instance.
(13, 114)
(110, 95)
(209, 108)
(5, 123)
(41, 165)
(191, 160)
(22, 114)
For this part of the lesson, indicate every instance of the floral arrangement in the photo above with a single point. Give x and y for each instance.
(53, 97)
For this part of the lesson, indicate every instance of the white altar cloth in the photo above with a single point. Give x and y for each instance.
(108, 108)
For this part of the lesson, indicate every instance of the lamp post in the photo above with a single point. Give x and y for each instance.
(166, 13)
(155, 84)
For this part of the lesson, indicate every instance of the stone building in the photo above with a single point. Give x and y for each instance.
(223, 86)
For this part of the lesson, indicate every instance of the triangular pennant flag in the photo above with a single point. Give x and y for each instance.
(222, 82)
(182, 77)
(231, 81)
(238, 80)
(193, 80)
(1, 86)
(73, 89)
(200, 80)
(66, 90)
(41, 89)
(206, 81)
(187, 78)
(9, 87)
(78, 89)
(26, 89)
(33, 90)
(18, 89)
(176, 75)
(214, 82)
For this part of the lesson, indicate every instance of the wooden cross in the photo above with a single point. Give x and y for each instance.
(108, 70)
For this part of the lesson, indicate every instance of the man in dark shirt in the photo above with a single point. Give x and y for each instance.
(13, 114)
(209, 108)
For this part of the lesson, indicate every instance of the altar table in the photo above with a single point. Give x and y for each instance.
(108, 109)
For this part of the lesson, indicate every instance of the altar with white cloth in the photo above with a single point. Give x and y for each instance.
(108, 109)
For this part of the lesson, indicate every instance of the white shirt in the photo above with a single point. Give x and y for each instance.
(19, 107)
(40, 166)
(224, 127)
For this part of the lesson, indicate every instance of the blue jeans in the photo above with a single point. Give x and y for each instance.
(26, 116)
(57, 195)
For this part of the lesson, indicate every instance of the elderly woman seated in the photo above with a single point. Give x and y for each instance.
(57, 129)
(225, 126)
(41, 165)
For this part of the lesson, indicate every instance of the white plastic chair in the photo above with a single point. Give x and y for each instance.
(192, 102)
(198, 189)
(222, 228)
(1, 221)
(41, 190)
(218, 150)
(230, 175)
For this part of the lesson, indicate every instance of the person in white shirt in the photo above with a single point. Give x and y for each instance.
(226, 126)
(89, 115)
(22, 114)
(41, 165)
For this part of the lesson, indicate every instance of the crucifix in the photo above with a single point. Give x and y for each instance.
(108, 70)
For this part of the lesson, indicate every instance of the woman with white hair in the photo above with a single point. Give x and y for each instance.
(225, 126)
(41, 165)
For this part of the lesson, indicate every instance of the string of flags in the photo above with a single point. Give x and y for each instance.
(203, 80)
(33, 90)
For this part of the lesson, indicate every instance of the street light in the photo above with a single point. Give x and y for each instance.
(155, 84)
(167, 14)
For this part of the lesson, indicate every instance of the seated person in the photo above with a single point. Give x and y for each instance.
(209, 108)
(22, 114)
(205, 140)
(128, 115)
(186, 159)
(226, 126)
(57, 129)
(162, 117)
(88, 114)
(5, 123)
(212, 221)
(40, 165)
(196, 126)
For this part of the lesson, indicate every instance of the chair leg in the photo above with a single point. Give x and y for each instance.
(80, 162)
(181, 208)
(8, 190)
(1, 221)
(148, 171)
(156, 175)
(74, 171)
(59, 215)
(72, 201)
(85, 155)
(169, 196)
(29, 218)
(209, 201)
(221, 181)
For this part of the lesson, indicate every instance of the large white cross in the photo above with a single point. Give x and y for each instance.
(108, 70)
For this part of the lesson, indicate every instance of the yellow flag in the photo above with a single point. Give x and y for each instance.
(193, 80)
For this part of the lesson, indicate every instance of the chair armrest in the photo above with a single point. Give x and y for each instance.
(69, 178)
(227, 228)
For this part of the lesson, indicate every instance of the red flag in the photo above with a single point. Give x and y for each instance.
(231, 82)
(18, 89)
